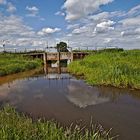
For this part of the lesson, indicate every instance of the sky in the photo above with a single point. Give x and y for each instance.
(34, 24)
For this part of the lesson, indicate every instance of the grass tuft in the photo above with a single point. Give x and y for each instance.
(15, 126)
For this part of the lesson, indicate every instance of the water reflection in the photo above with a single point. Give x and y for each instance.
(75, 91)
(83, 95)
(58, 70)
(68, 100)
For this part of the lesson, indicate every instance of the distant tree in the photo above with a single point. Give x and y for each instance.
(62, 47)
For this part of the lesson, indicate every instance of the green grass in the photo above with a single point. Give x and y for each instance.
(119, 69)
(14, 63)
(15, 126)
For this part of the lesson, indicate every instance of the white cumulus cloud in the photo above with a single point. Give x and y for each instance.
(104, 26)
(76, 9)
(33, 11)
(132, 32)
(59, 13)
(11, 8)
(134, 21)
(46, 31)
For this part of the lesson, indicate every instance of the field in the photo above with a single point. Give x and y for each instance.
(15, 126)
(14, 63)
(111, 68)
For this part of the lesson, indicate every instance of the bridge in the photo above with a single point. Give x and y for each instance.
(48, 57)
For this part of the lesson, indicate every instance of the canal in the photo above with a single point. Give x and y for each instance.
(66, 99)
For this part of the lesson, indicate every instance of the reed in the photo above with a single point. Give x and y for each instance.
(15, 126)
(120, 69)
(14, 63)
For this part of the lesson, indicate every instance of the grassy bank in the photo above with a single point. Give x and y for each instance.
(18, 127)
(14, 63)
(119, 69)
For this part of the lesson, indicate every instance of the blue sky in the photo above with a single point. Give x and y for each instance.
(123, 5)
(47, 9)
(91, 23)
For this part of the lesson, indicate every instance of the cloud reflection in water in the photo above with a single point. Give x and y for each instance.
(82, 95)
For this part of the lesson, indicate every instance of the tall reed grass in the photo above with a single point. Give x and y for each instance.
(119, 69)
(14, 126)
(14, 63)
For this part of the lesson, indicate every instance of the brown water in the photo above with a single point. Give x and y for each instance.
(67, 100)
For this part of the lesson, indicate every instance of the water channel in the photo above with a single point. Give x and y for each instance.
(68, 100)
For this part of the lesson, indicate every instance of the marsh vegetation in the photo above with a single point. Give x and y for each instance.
(115, 68)
(14, 63)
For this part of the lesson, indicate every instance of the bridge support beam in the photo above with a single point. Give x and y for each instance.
(45, 58)
(58, 62)
(71, 56)
(45, 62)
